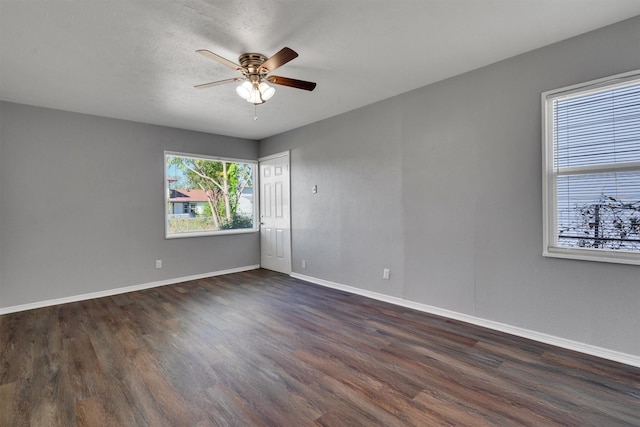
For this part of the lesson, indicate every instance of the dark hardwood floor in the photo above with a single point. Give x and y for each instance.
(260, 348)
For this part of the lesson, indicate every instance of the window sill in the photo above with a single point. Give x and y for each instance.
(211, 233)
(611, 256)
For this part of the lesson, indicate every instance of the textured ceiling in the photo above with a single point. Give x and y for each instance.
(136, 59)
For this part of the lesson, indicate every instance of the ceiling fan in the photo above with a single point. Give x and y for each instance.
(255, 69)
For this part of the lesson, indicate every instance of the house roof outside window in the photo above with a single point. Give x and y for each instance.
(187, 195)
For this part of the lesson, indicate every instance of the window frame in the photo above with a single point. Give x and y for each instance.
(549, 174)
(255, 186)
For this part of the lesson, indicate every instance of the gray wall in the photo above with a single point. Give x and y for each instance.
(443, 186)
(82, 205)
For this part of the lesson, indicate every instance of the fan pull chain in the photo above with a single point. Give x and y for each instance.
(255, 112)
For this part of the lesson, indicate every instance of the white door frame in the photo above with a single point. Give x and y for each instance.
(284, 267)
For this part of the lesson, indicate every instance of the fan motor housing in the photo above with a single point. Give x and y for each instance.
(252, 62)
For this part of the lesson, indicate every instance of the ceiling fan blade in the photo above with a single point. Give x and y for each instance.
(279, 59)
(219, 82)
(286, 81)
(218, 58)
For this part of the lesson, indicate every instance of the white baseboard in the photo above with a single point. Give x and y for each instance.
(116, 291)
(604, 353)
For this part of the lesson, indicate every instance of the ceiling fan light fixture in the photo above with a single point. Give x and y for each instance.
(255, 97)
(255, 93)
(245, 90)
(266, 91)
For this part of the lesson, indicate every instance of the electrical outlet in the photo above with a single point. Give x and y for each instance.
(385, 273)
(158, 263)
(304, 264)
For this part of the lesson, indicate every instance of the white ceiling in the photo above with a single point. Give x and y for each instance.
(136, 60)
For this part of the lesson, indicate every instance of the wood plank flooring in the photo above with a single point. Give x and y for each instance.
(262, 349)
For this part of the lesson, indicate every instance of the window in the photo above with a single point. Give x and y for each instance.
(591, 170)
(207, 195)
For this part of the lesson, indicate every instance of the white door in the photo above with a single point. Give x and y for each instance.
(275, 222)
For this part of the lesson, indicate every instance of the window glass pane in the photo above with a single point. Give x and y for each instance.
(599, 210)
(204, 195)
